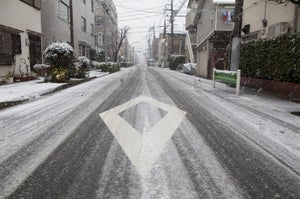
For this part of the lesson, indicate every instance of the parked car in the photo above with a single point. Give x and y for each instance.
(189, 68)
(150, 62)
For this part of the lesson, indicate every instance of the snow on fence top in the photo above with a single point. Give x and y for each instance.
(232, 77)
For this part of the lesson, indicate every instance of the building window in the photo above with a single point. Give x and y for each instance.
(63, 11)
(83, 1)
(33, 3)
(84, 51)
(92, 5)
(100, 39)
(10, 45)
(83, 24)
(92, 30)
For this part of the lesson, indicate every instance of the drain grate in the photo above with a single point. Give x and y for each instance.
(297, 113)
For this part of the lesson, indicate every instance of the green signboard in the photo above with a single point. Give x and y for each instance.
(231, 77)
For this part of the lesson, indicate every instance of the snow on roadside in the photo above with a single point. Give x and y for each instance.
(32, 89)
(25, 90)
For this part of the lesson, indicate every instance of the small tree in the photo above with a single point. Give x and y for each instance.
(59, 56)
(123, 32)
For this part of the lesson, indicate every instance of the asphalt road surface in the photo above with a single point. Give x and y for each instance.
(149, 133)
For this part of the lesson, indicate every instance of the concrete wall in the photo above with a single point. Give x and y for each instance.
(206, 23)
(202, 60)
(53, 27)
(19, 15)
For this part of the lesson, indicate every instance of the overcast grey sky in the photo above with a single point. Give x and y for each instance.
(140, 15)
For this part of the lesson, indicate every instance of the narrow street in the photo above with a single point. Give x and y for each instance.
(147, 132)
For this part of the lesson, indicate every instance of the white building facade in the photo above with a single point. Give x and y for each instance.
(56, 23)
(20, 36)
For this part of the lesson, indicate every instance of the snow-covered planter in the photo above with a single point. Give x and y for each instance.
(59, 55)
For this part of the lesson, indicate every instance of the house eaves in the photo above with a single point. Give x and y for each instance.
(209, 36)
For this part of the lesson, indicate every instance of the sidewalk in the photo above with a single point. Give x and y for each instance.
(12, 94)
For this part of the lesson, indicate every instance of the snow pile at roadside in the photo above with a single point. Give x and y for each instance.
(32, 89)
(25, 90)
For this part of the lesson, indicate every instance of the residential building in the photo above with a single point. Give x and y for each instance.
(163, 47)
(178, 45)
(20, 36)
(214, 19)
(191, 27)
(56, 18)
(106, 24)
(266, 19)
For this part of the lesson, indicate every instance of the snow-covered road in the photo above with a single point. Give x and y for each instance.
(150, 133)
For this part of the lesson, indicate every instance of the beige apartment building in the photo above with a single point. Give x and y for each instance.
(212, 22)
(20, 35)
(56, 26)
(266, 19)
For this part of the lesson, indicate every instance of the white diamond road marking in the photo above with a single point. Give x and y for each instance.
(143, 150)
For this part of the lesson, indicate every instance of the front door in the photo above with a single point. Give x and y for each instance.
(35, 50)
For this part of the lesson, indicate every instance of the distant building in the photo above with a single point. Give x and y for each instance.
(111, 25)
(56, 23)
(162, 47)
(154, 53)
(264, 19)
(179, 44)
(20, 35)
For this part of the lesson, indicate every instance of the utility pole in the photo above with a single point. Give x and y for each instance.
(172, 27)
(71, 24)
(153, 32)
(236, 40)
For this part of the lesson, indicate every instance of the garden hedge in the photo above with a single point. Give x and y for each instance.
(272, 59)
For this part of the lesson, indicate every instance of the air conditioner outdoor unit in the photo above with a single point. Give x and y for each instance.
(278, 29)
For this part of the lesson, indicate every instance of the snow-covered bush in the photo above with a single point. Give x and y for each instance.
(95, 65)
(110, 67)
(43, 70)
(77, 71)
(83, 61)
(59, 55)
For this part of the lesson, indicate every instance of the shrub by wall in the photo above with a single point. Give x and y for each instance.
(175, 61)
(110, 67)
(60, 56)
(272, 59)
